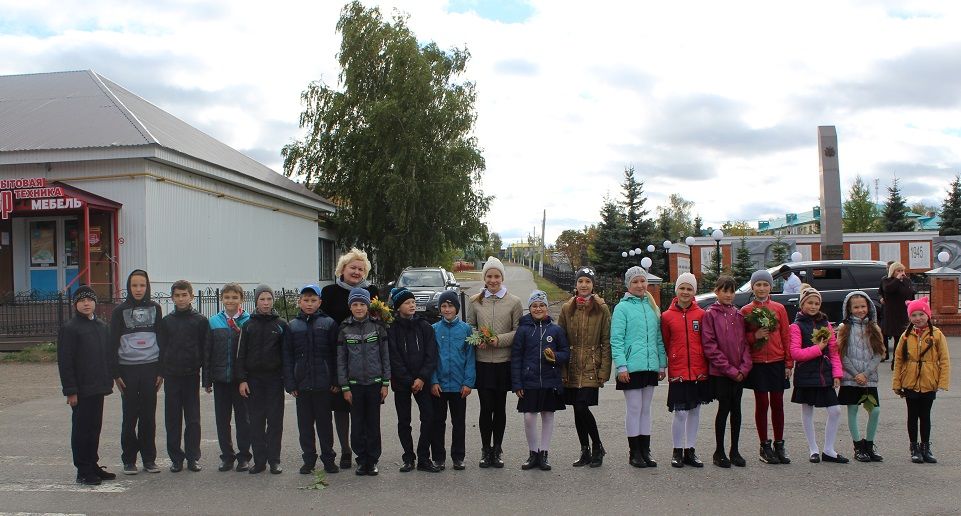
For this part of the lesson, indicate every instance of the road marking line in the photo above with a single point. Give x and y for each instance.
(45, 486)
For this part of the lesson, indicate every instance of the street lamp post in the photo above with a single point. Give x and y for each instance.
(717, 235)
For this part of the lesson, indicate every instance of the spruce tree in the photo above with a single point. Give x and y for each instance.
(611, 240)
(951, 210)
(779, 253)
(743, 265)
(640, 228)
(860, 213)
(895, 211)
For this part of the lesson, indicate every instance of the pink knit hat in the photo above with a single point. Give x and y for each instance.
(919, 305)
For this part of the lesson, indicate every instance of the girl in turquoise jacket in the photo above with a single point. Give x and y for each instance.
(638, 352)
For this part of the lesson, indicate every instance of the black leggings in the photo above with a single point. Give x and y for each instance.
(725, 407)
(919, 411)
(586, 424)
(493, 416)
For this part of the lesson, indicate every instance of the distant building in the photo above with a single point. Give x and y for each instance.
(809, 222)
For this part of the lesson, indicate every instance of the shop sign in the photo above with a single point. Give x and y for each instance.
(33, 194)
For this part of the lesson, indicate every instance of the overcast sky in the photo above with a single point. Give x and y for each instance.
(716, 101)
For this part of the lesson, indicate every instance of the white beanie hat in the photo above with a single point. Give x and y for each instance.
(493, 263)
(631, 273)
(686, 279)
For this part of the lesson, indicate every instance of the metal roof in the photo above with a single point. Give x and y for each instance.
(82, 109)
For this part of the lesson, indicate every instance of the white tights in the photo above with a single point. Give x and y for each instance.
(684, 427)
(830, 428)
(547, 429)
(638, 418)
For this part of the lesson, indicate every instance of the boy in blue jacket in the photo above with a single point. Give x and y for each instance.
(452, 381)
(310, 369)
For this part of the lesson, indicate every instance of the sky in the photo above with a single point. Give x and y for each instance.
(718, 102)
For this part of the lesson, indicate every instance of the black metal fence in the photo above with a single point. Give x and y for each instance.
(37, 314)
(610, 288)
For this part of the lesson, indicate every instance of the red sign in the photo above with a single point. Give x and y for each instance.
(6, 204)
(33, 194)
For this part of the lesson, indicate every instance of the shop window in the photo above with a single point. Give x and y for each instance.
(43, 243)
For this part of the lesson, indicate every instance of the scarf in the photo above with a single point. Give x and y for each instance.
(342, 284)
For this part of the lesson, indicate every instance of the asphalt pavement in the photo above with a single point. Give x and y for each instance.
(37, 476)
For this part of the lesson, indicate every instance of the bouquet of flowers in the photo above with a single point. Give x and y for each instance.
(762, 317)
(822, 334)
(483, 335)
(380, 310)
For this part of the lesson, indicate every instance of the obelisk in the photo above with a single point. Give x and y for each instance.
(832, 246)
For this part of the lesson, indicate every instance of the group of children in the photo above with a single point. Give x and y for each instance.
(248, 361)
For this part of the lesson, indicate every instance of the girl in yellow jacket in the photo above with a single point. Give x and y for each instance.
(921, 367)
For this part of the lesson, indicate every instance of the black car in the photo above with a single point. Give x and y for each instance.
(835, 279)
(427, 284)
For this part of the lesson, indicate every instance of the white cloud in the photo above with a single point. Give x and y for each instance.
(718, 101)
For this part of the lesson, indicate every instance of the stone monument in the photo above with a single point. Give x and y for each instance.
(832, 247)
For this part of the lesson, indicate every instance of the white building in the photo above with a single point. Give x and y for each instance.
(96, 181)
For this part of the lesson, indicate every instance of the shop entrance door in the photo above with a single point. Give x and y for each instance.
(54, 253)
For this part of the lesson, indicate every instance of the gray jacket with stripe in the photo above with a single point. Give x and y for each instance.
(363, 357)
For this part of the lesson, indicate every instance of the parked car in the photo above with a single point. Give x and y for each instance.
(427, 284)
(833, 278)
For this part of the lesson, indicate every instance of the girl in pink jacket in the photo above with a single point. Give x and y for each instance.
(817, 373)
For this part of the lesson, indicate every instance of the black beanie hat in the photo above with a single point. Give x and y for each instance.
(586, 272)
(399, 295)
(449, 296)
(84, 292)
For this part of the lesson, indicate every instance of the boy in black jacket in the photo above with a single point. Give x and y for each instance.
(413, 358)
(259, 364)
(83, 347)
(135, 368)
(310, 369)
(182, 335)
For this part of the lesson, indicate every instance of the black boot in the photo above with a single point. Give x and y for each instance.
(597, 455)
(634, 458)
(485, 461)
(767, 454)
(872, 452)
(645, 449)
(736, 458)
(780, 452)
(542, 460)
(916, 453)
(497, 460)
(721, 460)
(926, 453)
(677, 458)
(691, 458)
(860, 454)
(532, 461)
(585, 457)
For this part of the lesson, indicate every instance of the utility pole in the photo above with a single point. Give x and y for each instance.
(543, 248)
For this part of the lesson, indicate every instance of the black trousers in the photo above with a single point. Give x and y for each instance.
(182, 416)
(919, 415)
(426, 407)
(227, 399)
(87, 420)
(138, 430)
(492, 417)
(458, 414)
(265, 408)
(313, 411)
(365, 423)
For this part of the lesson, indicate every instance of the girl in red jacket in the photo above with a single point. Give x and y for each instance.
(772, 364)
(688, 388)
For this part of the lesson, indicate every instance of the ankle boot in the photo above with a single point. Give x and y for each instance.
(916, 453)
(634, 458)
(721, 460)
(691, 458)
(585, 457)
(926, 453)
(767, 454)
(677, 458)
(497, 460)
(485, 461)
(645, 451)
(542, 460)
(872, 451)
(736, 458)
(781, 452)
(860, 454)
(597, 455)
(532, 461)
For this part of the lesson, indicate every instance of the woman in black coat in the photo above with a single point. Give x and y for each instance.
(896, 289)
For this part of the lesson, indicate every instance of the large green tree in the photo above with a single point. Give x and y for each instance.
(574, 245)
(743, 265)
(895, 211)
(393, 144)
(860, 213)
(610, 241)
(675, 220)
(951, 210)
(779, 252)
(641, 230)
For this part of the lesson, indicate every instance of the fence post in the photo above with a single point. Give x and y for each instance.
(463, 306)
(59, 311)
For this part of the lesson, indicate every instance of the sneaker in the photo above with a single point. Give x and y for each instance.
(103, 474)
(193, 466)
(306, 469)
(88, 479)
(176, 467)
(130, 469)
(242, 465)
(440, 466)
(151, 467)
(275, 469)
(459, 465)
